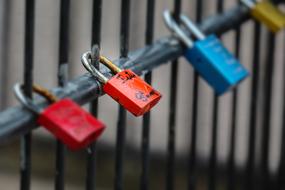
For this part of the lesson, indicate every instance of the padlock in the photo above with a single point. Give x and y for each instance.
(65, 119)
(266, 13)
(125, 87)
(216, 65)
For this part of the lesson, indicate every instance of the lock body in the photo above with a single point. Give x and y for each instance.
(268, 14)
(215, 64)
(71, 124)
(132, 92)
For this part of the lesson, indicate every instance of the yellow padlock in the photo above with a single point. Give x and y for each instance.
(267, 13)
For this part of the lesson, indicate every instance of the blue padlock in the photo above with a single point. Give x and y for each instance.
(208, 56)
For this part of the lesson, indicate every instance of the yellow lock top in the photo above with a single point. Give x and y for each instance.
(270, 15)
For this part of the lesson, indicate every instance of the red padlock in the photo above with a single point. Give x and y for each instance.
(65, 119)
(128, 89)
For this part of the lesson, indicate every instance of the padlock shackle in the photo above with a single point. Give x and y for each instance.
(27, 102)
(45, 93)
(94, 71)
(109, 64)
(174, 27)
(91, 69)
(192, 27)
(250, 4)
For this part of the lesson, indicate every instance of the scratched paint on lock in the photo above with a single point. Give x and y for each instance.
(78, 123)
(216, 64)
(132, 92)
(71, 124)
(229, 66)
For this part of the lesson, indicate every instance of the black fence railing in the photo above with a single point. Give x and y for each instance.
(17, 122)
(140, 61)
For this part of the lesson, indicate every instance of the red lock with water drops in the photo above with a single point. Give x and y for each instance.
(125, 87)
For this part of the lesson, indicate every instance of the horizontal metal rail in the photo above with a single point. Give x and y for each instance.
(17, 120)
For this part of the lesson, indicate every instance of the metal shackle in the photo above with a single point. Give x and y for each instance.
(192, 27)
(85, 59)
(249, 3)
(27, 102)
(174, 27)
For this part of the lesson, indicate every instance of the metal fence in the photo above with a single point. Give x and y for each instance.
(207, 172)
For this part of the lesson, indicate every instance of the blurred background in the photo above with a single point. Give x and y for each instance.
(47, 13)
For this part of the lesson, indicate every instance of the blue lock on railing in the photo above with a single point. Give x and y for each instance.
(208, 56)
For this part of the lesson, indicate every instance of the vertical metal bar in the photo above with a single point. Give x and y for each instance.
(280, 183)
(213, 152)
(96, 22)
(25, 154)
(265, 177)
(281, 169)
(193, 141)
(220, 6)
(249, 171)
(231, 159)
(172, 112)
(5, 10)
(124, 44)
(144, 183)
(62, 79)
(91, 151)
